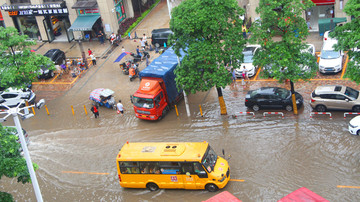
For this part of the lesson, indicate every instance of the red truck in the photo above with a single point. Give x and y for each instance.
(157, 92)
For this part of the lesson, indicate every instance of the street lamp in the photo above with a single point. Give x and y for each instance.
(14, 112)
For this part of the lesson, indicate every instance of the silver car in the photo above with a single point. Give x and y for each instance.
(335, 97)
(13, 97)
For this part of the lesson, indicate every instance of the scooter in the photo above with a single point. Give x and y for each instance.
(125, 67)
(116, 41)
(137, 58)
(133, 73)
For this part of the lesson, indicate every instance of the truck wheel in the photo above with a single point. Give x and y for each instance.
(152, 186)
(164, 112)
(211, 187)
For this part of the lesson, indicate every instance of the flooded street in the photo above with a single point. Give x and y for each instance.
(271, 156)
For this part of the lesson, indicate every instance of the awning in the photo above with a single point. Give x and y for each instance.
(329, 24)
(84, 23)
(84, 5)
(323, 2)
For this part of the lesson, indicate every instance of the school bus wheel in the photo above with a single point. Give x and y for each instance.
(152, 186)
(211, 187)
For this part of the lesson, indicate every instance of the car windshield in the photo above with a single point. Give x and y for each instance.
(209, 160)
(143, 102)
(352, 93)
(248, 57)
(283, 93)
(330, 54)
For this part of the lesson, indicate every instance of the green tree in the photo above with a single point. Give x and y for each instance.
(281, 32)
(209, 32)
(18, 65)
(12, 163)
(349, 39)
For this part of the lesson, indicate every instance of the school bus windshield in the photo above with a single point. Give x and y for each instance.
(210, 158)
(143, 102)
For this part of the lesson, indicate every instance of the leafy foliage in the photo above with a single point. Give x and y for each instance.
(281, 33)
(18, 65)
(349, 39)
(12, 163)
(209, 32)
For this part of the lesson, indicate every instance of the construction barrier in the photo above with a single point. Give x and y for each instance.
(72, 109)
(85, 110)
(282, 114)
(177, 112)
(311, 113)
(201, 113)
(246, 113)
(47, 111)
(350, 113)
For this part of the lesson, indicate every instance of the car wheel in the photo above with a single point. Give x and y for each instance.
(152, 186)
(358, 132)
(211, 187)
(356, 108)
(289, 108)
(52, 74)
(320, 108)
(256, 107)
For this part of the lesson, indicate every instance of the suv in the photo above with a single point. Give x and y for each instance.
(330, 59)
(249, 53)
(160, 36)
(335, 97)
(55, 55)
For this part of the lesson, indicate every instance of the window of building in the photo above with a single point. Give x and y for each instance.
(20, 2)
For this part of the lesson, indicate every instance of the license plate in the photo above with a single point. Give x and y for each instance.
(143, 116)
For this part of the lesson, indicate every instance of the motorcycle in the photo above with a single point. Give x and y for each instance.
(125, 67)
(116, 41)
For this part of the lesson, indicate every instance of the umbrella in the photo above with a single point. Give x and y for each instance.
(121, 56)
(95, 94)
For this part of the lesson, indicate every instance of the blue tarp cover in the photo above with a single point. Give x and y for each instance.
(163, 67)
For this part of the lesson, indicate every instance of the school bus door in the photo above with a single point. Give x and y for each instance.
(189, 176)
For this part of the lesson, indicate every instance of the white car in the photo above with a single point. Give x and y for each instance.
(13, 96)
(354, 126)
(330, 59)
(326, 36)
(249, 53)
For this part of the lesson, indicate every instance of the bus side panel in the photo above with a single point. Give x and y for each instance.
(164, 181)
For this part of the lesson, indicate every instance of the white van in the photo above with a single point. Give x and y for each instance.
(330, 59)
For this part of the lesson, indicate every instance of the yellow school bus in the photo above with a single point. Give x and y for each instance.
(173, 165)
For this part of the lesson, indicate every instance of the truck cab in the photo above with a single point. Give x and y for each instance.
(150, 100)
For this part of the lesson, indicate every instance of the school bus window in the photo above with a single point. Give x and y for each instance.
(149, 168)
(129, 168)
(170, 167)
(199, 170)
(187, 168)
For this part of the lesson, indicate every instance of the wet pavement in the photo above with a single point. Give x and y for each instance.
(271, 156)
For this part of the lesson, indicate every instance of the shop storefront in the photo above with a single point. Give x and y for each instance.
(324, 9)
(89, 20)
(2, 24)
(55, 19)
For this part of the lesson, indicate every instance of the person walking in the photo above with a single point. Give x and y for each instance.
(142, 43)
(101, 37)
(90, 51)
(145, 40)
(93, 58)
(120, 108)
(243, 27)
(95, 111)
(244, 74)
(233, 76)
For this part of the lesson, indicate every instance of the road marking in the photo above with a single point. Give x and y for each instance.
(236, 180)
(257, 73)
(344, 186)
(345, 65)
(91, 173)
(54, 78)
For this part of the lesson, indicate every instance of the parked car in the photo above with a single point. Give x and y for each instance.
(160, 36)
(354, 126)
(14, 131)
(55, 55)
(330, 59)
(335, 97)
(271, 97)
(14, 97)
(327, 36)
(249, 53)
(309, 48)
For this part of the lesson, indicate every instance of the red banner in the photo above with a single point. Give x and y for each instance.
(323, 2)
(1, 17)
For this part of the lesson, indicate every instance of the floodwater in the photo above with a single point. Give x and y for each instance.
(274, 156)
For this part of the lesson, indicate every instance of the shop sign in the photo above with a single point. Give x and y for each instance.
(36, 12)
(89, 11)
(35, 6)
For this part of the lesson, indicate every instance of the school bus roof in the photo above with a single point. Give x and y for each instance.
(162, 151)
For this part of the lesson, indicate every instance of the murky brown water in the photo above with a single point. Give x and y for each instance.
(274, 156)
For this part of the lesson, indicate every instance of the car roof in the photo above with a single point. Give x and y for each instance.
(267, 90)
(328, 89)
(51, 52)
(328, 45)
(12, 90)
(161, 30)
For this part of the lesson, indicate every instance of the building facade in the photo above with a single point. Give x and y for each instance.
(57, 20)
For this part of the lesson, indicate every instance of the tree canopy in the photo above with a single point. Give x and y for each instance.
(349, 39)
(281, 31)
(209, 32)
(12, 163)
(18, 65)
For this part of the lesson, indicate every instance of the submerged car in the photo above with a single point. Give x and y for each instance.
(249, 53)
(271, 97)
(13, 97)
(354, 126)
(335, 97)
